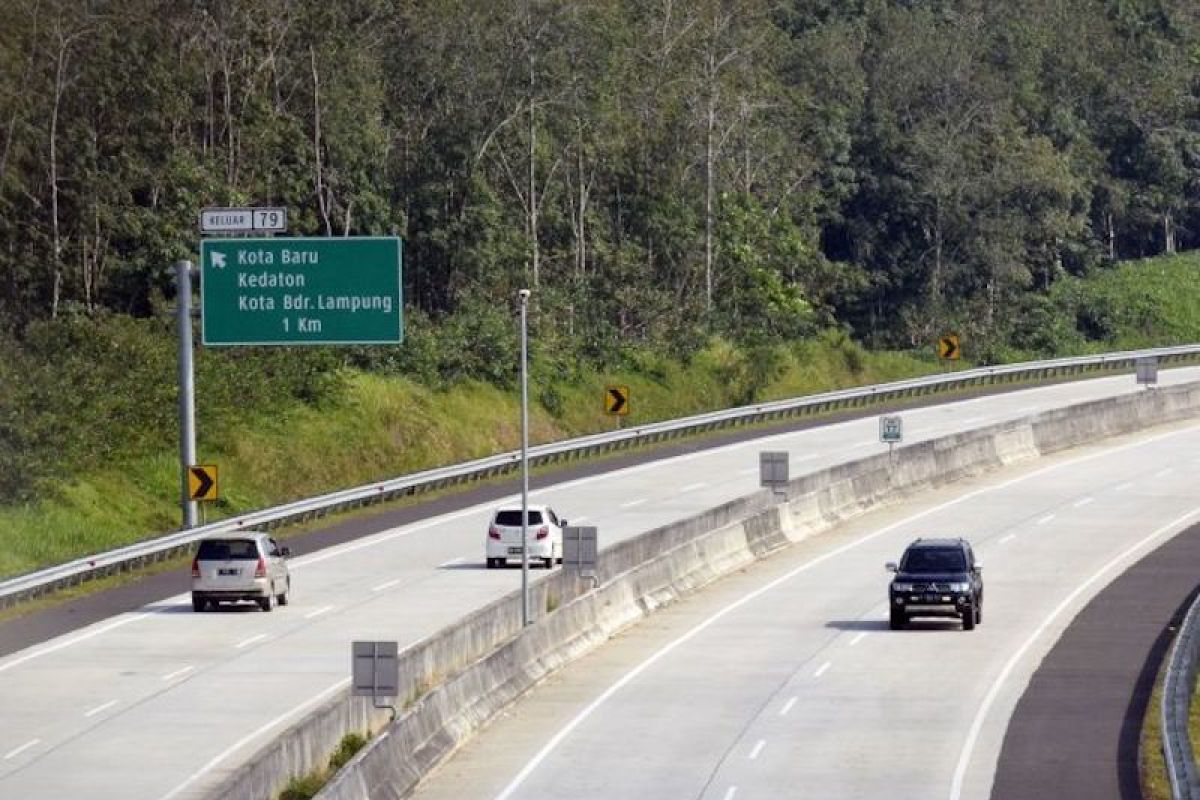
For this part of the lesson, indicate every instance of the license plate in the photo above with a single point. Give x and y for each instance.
(514, 551)
(229, 572)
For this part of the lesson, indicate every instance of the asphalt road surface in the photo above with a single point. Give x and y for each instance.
(161, 702)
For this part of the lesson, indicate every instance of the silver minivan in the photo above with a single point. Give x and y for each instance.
(243, 566)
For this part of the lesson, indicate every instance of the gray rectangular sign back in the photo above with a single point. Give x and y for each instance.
(579, 549)
(374, 670)
(1147, 370)
(773, 469)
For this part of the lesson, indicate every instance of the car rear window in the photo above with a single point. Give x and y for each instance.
(512, 519)
(227, 549)
(930, 559)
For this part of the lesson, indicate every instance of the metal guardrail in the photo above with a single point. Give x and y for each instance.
(24, 587)
(1176, 703)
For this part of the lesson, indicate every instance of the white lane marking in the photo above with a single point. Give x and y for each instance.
(1023, 410)
(579, 519)
(972, 420)
(1083, 502)
(821, 669)
(968, 747)
(729, 795)
(250, 641)
(1124, 486)
(858, 638)
(757, 749)
(806, 457)
(178, 672)
(691, 487)
(1162, 473)
(750, 471)
(45, 651)
(787, 706)
(628, 677)
(21, 749)
(633, 503)
(452, 562)
(318, 612)
(1008, 538)
(100, 708)
(387, 585)
(1045, 519)
(240, 743)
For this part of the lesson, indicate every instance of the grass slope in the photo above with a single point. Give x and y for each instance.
(380, 427)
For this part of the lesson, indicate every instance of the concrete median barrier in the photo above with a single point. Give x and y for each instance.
(458, 679)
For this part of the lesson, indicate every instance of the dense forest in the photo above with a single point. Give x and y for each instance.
(657, 170)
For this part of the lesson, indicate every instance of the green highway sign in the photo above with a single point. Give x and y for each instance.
(301, 291)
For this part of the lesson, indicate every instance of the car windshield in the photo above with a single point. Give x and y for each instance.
(933, 559)
(512, 519)
(227, 549)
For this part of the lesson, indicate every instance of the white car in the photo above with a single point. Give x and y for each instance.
(545, 536)
(245, 566)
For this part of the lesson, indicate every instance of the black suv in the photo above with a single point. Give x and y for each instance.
(936, 578)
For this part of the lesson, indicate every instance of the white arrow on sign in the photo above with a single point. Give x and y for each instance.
(218, 260)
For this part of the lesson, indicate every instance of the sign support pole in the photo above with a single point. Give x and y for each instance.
(524, 296)
(187, 389)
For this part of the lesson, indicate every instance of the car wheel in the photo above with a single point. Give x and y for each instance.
(968, 619)
(491, 563)
(979, 614)
(198, 604)
(548, 563)
(267, 603)
(286, 597)
(896, 620)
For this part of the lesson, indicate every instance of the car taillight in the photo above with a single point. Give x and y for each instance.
(493, 532)
(195, 567)
(542, 533)
(261, 570)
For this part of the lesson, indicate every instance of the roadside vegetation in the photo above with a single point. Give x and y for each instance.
(89, 422)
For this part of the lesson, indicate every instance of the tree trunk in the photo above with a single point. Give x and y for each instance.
(322, 203)
(55, 237)
(1169, 233)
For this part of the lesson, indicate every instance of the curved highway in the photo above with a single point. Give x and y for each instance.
(785, 681)
(160, 703)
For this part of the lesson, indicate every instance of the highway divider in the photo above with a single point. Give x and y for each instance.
(35, 584)
(456, 680)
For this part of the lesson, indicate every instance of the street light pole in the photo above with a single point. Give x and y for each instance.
(187, 389)
(523, 294)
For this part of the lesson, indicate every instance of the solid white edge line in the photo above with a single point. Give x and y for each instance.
(624, 680)
(21, 749)
(240, 743)
(44, 651)
(100, 708)
(964, 758)
(757, 749)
